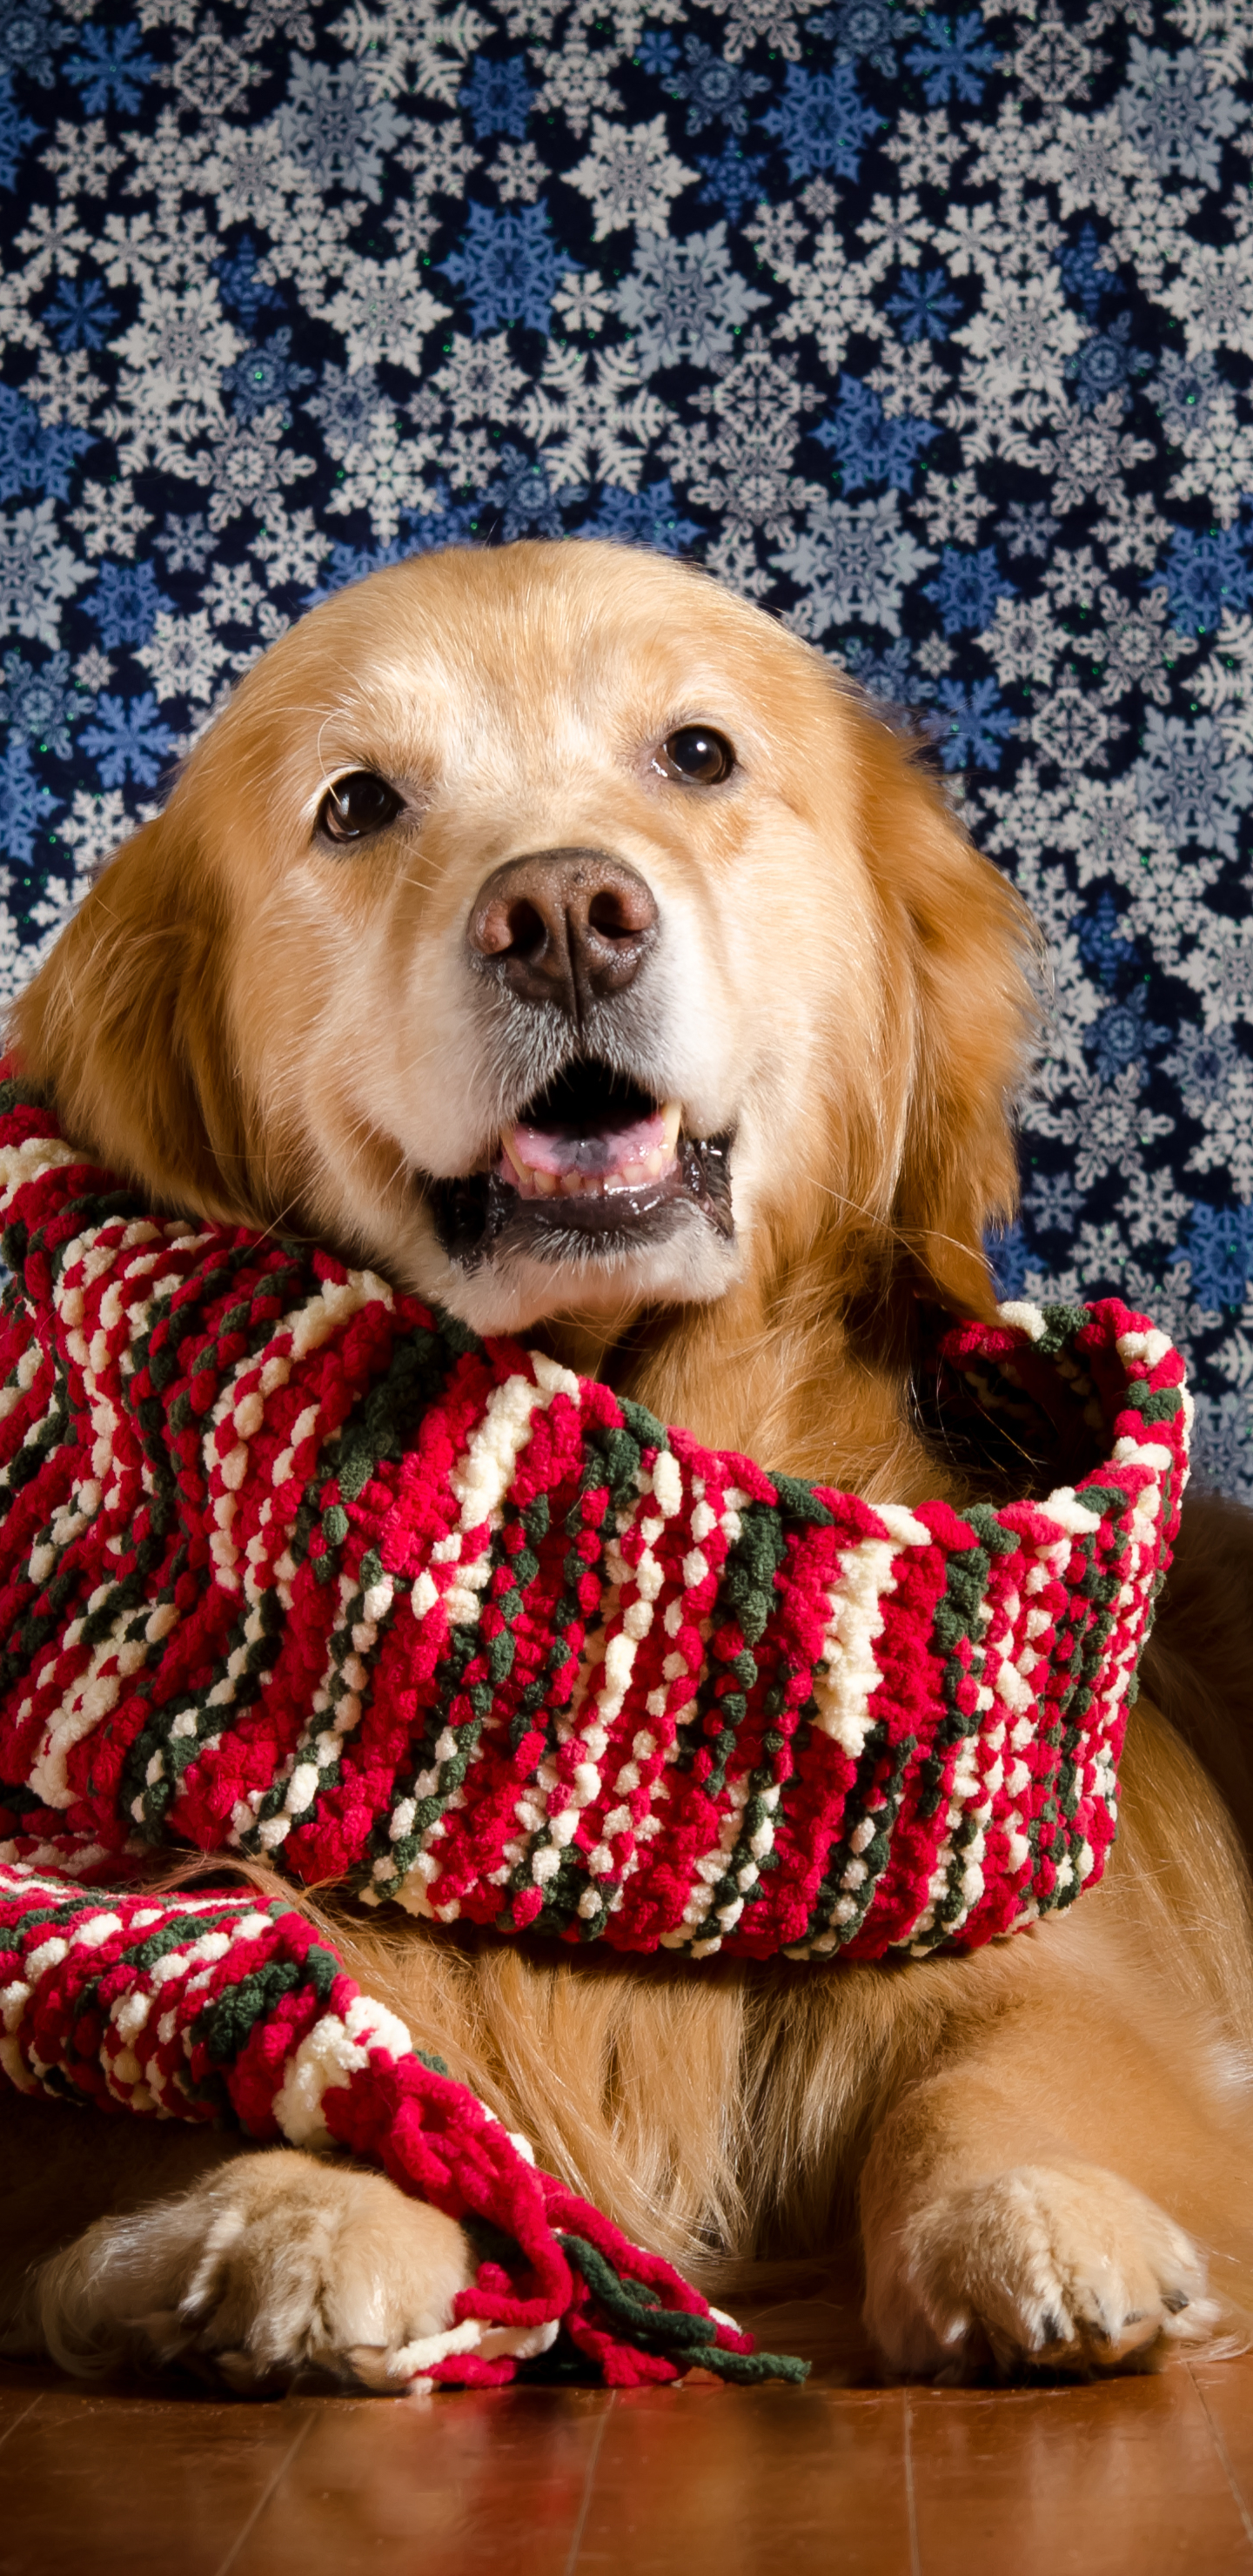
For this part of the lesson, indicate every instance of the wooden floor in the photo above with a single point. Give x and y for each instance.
(1128, 2478)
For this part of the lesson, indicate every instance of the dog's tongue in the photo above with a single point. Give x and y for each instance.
(593, 1157)
(602, 1150)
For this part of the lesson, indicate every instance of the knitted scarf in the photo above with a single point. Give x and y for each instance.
(292, 1567)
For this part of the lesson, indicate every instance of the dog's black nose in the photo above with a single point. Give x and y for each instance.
(571, 927)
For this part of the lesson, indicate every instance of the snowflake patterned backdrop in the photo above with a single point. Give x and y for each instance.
(931, 333)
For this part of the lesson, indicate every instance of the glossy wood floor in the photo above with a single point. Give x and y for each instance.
(1129, 2478)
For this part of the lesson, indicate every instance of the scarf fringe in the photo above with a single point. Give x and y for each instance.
(215, 2009)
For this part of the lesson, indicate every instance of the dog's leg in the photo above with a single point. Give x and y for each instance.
(997, 2234)
(124, 2240)
(1054, 2177)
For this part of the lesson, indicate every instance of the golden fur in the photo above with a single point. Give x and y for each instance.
(1046, 2144)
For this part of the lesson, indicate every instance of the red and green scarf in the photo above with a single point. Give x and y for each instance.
(294, 1567)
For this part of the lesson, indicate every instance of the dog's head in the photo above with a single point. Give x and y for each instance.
(556, 931)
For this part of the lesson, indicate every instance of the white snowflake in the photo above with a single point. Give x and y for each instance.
(590, 417)
(384, 310)
(630, 176)
(183, 656)
(37, 574)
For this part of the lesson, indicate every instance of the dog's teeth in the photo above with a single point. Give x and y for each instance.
(545, 1183)
(510, 1150)
(671, 1121)
(571, 1184)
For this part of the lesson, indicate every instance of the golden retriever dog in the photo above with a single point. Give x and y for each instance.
(558, 934)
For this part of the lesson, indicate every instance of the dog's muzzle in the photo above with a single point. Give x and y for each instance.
(594, 1164)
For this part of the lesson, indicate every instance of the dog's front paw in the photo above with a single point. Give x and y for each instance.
(276, 2263)
(1053, 2267)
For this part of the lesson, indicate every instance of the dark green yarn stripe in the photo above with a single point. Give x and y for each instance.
(339, 1645)
(747, 1591)
(613, 1458)
(379, 1429)
(464, 1644)
(882, 1773)
(640, 2318)
(144, 1954)
(563, 1891)
(959, 1618)
(226, 2023)
(287, 1285)
(179, 1751)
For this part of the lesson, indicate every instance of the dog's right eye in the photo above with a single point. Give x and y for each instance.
(357, 805)
(698, 754)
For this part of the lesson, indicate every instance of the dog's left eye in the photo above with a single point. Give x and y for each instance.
(357, 805)
(698, 754)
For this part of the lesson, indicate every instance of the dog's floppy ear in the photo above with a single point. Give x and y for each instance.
(122, 1026)
(969, 1015)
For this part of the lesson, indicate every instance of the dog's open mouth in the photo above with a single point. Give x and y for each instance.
(592, 1166)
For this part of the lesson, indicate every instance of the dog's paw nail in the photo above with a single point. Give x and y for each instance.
(1175, 2301)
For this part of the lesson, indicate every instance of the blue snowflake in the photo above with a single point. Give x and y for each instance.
(523, 498)
(498, 96)
(658, 53)
(1081, 275)
(647, 518)
(186, 543)
(507, 267)
(1204, 576)
(1009, 1258)
(953, 58)
(1122, 1035)
(1053, 1202)
(868, 447)
(1028, 528)
(345, 405)
(1106, 364)
(1222, 1445)
(1185, 391)
(264, 376)
(129, 739)
(864, 27)
(967, 588)
(242, 289)
(81, 316)
(111, 71)
(1219, 1244)
(887, 675)
(714, 89)
(1204, 1064)
(352, 563)
(1102, 942)
(29, 37)
(124, 603)
(16, 131)
(821, 123)
(735, 180)
(42, 703)
(34, 458)
(337, 126)
(24, 804)
(923, 304)
(450, 523)
(969, 726)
